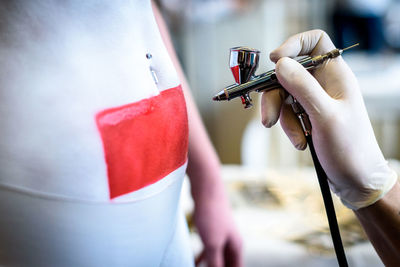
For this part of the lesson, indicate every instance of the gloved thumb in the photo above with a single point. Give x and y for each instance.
(302, 85)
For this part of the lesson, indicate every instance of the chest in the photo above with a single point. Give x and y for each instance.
(97, 60)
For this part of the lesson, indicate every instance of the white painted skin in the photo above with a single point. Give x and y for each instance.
(61, 62)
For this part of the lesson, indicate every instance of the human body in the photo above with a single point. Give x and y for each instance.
(93, 148)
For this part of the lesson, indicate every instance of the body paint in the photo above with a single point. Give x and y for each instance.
(144, 141)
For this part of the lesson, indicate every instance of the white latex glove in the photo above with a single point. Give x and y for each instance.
(341, 130)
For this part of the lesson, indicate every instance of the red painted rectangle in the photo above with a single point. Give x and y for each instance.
(144, 141)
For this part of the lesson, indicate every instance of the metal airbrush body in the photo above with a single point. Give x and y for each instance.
(244, 63)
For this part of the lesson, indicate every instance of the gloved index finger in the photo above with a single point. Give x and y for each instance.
(315, 42)
(303, 86)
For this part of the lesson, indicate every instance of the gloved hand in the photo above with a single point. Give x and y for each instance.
(341, 131)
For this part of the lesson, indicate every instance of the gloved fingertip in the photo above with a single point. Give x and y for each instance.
(268, 122)
(301, 145)
(298, 139)
(274, 56)
(283, 65)
(271, 103)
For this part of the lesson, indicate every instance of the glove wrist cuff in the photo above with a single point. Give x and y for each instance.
(380, 184)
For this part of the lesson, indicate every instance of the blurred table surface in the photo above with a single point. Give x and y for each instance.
(282, 220)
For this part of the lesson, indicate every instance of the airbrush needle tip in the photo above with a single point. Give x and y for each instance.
(349, 47)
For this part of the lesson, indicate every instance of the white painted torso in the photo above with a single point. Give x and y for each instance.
(61, 63)
(57, 74)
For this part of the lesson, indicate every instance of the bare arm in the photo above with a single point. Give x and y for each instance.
(222, 243)
(381, 222)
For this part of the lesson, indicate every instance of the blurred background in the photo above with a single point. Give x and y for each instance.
(204, 30)
(258, 160)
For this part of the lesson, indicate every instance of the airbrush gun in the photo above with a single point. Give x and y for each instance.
(243, 64)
